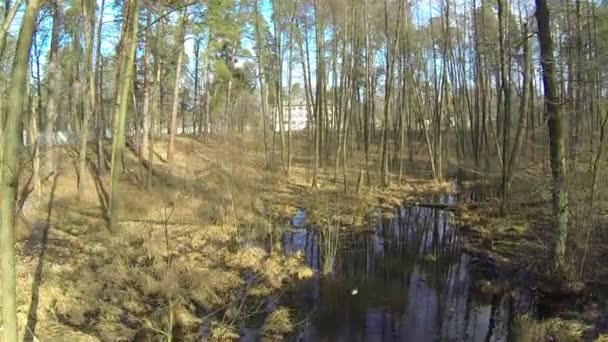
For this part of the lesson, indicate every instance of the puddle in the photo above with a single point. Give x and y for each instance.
(406, 281)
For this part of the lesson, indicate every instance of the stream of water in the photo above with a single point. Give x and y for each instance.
(406, 280)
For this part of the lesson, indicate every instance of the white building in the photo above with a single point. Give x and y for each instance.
(299, 117)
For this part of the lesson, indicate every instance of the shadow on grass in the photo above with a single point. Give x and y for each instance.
(32, 317)
(102, 194)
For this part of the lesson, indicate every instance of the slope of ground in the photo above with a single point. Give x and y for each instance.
(198, 251)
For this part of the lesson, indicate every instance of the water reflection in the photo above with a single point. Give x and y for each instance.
(412, 283)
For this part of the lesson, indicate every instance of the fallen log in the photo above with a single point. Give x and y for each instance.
(145, 163)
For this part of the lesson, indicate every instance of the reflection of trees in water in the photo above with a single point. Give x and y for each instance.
(413, 283)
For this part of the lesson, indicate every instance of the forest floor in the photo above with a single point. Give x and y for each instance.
(188, 254)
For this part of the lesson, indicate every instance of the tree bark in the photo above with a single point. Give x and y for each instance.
(289, 86)
(390, 64)
(145, 111)
(177, 88)
(129, 43)
(99, 112)
(33, 144)
(260, 62)
(503, 6)
(8, 20)
(278, 41)
(10, 172)
(556, 135)
(197, 108)
(154, 120)
(318, 101)
(9, 16)
(89, 93)
(523, 114)
(52, 88)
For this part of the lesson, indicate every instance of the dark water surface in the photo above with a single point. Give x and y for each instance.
(407, 280)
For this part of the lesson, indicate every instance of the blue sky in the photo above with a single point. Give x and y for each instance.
(111, 31)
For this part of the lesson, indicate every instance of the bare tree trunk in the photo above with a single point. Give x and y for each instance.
(9, 16)
(523, 114)
(35, 116)
(89, 93)
(305, 61)
(147, 121)
(10, 173)
(289, 85)
(99, 112)
(556, 135)
(320, 86)
(197, 89)
(278, 37)
(128, 45)
(208, 118)
(228, 95)
(390, 64)
(158, 66)
(260, 62)
(177, 88)
(503, 6)
(598, 157)
(145, 111)
(52, 88)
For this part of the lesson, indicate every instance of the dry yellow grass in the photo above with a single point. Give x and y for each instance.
(554, 329)
(89, 285)
(82, 284)
(79, 283)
